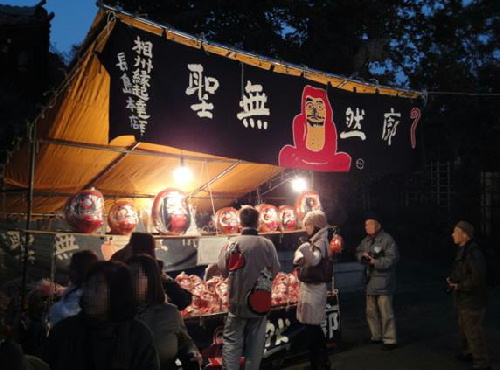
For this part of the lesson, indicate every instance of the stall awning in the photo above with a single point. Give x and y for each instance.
(127, 114)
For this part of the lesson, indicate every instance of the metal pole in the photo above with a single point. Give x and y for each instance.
(33, 140)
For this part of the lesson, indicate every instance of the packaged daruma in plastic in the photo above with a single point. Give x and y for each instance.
(227, 220)
(122, 217)
(336, 244)
(288, 218)
(84, 211)
(268, 218)
(171, 212)
(306, 202)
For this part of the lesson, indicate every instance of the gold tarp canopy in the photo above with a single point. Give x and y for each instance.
(74, 153)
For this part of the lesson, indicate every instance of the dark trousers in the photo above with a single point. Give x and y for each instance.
(318, 354)
(470, 326)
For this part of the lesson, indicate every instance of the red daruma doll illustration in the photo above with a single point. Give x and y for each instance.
(122, 217)
(268, 218)
(84, 211)
(288, 218)
(171, 212)
(227, 221)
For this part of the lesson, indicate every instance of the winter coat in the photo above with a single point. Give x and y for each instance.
(469, 270)
(251, 262)
(82, 343)
(311, 307)
(169, 332)
(381, 275)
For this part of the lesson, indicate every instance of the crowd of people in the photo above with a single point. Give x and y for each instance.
(124, 313)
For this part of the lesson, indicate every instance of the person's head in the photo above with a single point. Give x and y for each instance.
(314, 221)
(147, 280)
(79, 265)
(372, 223)
(142, 243)
(249, 217)
(462, 233)
(108, 292)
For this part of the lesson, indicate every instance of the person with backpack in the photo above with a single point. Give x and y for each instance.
(311, 307)
(467, 281)
(250, 262)
(378, 252)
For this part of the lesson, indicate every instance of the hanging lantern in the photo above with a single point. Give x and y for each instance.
(122, 217)
(84, 211)
(306, 202)
(227, 220)
(268, 218)
(288, 218)
(171, 212)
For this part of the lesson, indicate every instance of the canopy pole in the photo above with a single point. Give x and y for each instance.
(33, 140)
(214, 179)
(113, 163)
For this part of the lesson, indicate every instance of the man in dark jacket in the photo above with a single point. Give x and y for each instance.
(379, 253)
(468, 282)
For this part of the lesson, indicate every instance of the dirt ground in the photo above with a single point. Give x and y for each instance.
(426, 324)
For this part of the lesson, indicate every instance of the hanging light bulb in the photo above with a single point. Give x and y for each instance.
(299, 184)
(182, 174)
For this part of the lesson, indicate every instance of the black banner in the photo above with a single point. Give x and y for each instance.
(167, 93)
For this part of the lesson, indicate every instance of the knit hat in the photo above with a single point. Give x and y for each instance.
(466, 228)
(372, 215)
(315, 218)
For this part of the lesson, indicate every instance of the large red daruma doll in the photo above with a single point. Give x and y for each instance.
(122, 217)
(288, 218)
(268, 218)
(171, 212)
(84, 211)
(306, 202)
(227, 220)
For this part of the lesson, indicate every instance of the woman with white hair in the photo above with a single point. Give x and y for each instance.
(311, 306)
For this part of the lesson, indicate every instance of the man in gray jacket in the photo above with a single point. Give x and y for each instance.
(251, 263)
(379, 253)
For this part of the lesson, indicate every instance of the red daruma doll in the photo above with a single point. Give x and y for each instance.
(227, 221)
(268, 218)
(122, 217)
(84, 211)
(288, 218)
(171, 212)
(306, 202)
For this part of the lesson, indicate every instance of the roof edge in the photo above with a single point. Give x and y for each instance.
(260, 61)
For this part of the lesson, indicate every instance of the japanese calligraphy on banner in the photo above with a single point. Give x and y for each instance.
(166, 93)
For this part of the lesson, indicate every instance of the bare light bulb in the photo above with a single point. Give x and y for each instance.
(299, 184)
(183, 175)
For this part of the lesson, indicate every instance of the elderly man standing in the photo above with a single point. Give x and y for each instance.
(468, 282)
(379, 253)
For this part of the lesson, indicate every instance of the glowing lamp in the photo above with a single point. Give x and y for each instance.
(299, 184)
